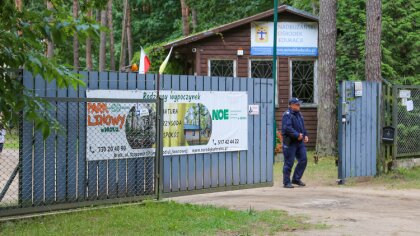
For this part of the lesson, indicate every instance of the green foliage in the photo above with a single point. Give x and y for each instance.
(157, 21)
(400, 35)
(212, 13)
(22, 45)
(400, 40)
(351, 25)
(157, 55)
(152, 22)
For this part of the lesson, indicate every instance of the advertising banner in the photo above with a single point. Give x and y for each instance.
(194, 122)
(293, 38)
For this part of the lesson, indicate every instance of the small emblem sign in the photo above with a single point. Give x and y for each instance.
(254, 110)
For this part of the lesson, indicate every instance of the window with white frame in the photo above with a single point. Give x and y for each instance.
(222, 68)
(262, 68)
(303, 80)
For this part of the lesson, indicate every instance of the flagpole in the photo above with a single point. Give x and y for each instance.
(275, 73)
(162, 69)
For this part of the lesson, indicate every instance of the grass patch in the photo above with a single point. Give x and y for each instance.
(323, 173)
(159, 218)
(12, 140)
(396, 179)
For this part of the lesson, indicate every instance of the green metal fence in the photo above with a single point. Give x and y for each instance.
(406, 121)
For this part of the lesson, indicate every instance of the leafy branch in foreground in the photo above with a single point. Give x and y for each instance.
(24, 34)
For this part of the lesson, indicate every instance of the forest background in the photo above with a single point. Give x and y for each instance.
(151, 23)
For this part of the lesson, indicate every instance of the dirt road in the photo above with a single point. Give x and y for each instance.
(348, 210)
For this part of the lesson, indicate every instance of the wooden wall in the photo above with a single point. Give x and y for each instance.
(225, 46)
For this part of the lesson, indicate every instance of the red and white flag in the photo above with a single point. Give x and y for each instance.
(144, 64)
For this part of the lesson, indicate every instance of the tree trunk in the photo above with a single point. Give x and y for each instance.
(111, 36)
(98, 16)
(185, 21)
(326, 141)
(314, 7)
(75, 39)
(373, 40)
(18, 4)
(89, 64)
(123, 34)
(129, 36)
(50, 45)
(102, 45)
(194, 20)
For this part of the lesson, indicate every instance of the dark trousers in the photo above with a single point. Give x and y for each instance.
(290, 152)
(1, 147)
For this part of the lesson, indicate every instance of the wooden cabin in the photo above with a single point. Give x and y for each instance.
(244, 49)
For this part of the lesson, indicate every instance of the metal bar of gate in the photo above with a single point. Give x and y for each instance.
(9, 182)
(394, 119)
(159, 149)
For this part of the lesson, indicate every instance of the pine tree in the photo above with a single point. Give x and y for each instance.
(111, 36)
(373, 40)
(75, 39)
(102, 46)
(123, 37)
(129, 35)
(89, 63)
(326, 141)
(185, 21)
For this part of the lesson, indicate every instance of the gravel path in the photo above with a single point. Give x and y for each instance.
(348, 210)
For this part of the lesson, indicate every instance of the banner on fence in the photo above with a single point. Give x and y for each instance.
(194, 122)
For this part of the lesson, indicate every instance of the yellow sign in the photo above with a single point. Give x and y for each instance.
(262, 34)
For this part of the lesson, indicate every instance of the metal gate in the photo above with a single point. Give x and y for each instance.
(55, 173)
(39, 175)
(359, 129)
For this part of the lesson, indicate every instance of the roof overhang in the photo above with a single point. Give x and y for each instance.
(244, 21)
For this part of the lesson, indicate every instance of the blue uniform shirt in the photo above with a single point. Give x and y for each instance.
(292, 124)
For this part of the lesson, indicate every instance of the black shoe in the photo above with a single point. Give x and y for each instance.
(289, 185)
(299, 182)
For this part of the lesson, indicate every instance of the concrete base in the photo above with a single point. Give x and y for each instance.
(406, 163)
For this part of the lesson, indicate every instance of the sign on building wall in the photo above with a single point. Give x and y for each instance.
(194, 122)
(293, 38)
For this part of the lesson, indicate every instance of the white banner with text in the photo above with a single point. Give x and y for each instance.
(194, 122)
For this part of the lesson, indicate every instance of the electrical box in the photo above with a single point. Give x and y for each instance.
(358, 89)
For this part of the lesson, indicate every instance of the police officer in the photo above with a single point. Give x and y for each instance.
(294, 139)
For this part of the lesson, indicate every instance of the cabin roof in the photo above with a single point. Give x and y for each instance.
(191, 127)
(247, 20)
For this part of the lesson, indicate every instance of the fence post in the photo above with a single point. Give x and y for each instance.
(394, 120)
(159, 149)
